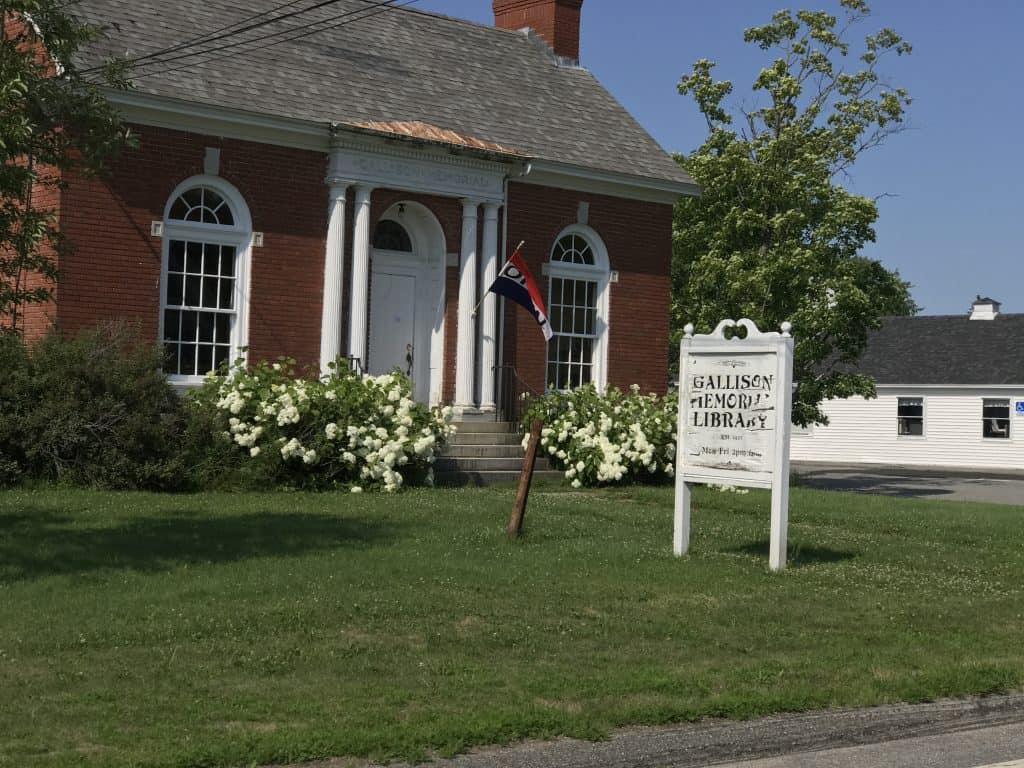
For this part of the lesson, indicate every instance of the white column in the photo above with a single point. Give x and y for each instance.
(359, 300)
(466, 335)
(489, 312)
(334, 276)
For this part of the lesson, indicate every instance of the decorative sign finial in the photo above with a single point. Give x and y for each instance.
(688, 330)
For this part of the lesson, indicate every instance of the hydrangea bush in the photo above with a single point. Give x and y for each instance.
(611, 438)
(343, 430)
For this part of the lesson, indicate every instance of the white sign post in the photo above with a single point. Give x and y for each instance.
(735, 402)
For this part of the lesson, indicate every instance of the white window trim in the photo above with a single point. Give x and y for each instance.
(600, 272)
(238, 235)
(924, 417)
(1009, 420)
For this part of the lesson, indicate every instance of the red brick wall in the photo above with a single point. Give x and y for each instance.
(35, 319)
(113, 270)
(638, 236)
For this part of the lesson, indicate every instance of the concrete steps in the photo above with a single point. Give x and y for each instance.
(487, 453)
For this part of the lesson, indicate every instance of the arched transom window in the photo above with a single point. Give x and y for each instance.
(391, 236)
(206, 239)
(577, 309)
(204, 205)
(573, 249)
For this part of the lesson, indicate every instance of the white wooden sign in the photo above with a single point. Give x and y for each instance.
(735, 402)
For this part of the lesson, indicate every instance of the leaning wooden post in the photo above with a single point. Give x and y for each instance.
(515, 522)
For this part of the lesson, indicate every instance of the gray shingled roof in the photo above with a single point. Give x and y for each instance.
(492, 84)
(946, 349)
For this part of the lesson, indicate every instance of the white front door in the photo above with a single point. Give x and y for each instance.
(393, 324)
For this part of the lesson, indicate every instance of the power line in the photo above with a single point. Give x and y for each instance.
(305, 32)
(218, 49)
(229, 30)
(206, 37)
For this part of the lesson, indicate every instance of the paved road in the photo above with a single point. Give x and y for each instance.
(945, 734)
(996, 747)
(925, 484)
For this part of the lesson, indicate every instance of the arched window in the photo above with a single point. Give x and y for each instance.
(573, 249)
(391, 236)
(207, 237)
(202, 204)
(577, 310)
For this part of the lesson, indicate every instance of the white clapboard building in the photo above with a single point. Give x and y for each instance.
(950, 394)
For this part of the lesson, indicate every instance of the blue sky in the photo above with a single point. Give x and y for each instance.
(953, 183)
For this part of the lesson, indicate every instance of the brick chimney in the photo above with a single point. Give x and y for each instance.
(556, 22)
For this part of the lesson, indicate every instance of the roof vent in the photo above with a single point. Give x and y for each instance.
(556, 22)
(984, 308)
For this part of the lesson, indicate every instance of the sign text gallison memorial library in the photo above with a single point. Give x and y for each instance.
(735, 402)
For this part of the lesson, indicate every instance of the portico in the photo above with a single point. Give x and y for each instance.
(396, 298)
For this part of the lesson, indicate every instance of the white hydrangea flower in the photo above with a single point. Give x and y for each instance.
(288, 415)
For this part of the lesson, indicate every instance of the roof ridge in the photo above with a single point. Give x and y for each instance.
(963, 316)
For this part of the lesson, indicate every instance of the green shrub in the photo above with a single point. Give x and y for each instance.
(14, 373)
(611, 438)
(262, 426)
(94, 410)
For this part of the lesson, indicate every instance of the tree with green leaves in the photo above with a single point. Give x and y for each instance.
(54, 120)
(774, 236)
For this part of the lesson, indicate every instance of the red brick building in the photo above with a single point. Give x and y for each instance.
(346, 180)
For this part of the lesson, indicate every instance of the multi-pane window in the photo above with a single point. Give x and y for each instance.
(203, 205)
(572, 310)
(575, 286)
(391, 236)
(207, 234)
(199, 306)
(573, 249)
(910, 416)
(995, 418)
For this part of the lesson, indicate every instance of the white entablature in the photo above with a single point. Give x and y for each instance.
(418, 170)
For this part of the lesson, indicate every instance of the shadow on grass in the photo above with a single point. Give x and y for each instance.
(33, 546)
(796, 554)
(881, 485)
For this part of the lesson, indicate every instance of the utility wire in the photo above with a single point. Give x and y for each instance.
(219, 49)
(304, 32)
(248, 24)
(208, 36)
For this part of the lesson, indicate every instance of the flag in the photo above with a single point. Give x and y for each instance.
(515, 282)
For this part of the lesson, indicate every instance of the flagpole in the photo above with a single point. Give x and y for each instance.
(488, 288)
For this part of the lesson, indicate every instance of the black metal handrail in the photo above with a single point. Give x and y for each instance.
(511, 389)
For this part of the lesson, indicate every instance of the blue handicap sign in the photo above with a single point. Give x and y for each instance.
(1020, 407)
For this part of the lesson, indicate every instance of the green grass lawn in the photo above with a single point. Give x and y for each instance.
(218, 629)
